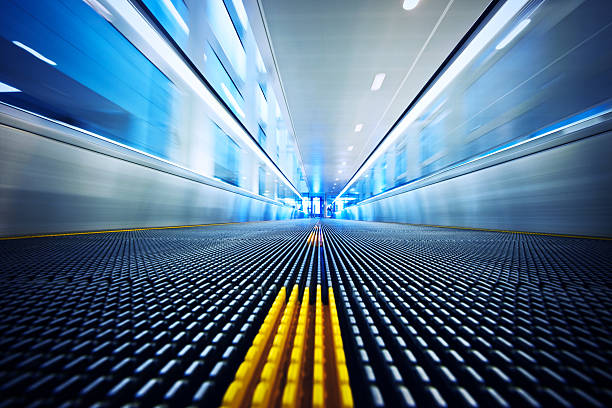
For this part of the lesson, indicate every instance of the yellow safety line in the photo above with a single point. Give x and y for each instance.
(549, 234)
(268, 390)
(239, 393)
(344, 389)
(289, 367)
(315, 237)
(122, 230)
(318, 372)
(293, 387)
(311, 236)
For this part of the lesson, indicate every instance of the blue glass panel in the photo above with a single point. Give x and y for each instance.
(173, 15)
(100, 81)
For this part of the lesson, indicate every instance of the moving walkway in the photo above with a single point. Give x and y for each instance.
(305, 313)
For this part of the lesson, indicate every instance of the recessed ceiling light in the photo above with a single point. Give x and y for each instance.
(410, 4)
(339, 171)
(358, 127)
(477, 44)
(378, 80)
(337, 179)
(344, 163)
(350, 148)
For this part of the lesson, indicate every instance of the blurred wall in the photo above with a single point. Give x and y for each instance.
(565, 189)
(62, 182)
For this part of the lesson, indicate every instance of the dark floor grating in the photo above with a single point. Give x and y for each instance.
(429, 316)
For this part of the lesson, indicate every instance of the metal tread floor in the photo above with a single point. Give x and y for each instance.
(427, 316)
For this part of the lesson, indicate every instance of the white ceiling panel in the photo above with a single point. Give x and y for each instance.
(327, 54)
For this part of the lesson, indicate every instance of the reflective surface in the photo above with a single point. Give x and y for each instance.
(546, 69)
(558, 190)
(72, 61)
(65, 182)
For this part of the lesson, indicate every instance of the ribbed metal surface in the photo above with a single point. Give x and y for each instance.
(451, 317)
(157, 316)
(428, 316)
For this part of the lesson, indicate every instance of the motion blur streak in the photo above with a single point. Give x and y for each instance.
(118, 89)
(525, 92)
(153, 164)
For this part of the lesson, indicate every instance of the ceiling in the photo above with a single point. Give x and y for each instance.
(327, 54)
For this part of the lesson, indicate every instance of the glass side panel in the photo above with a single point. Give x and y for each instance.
(517, 88)
(81, 71)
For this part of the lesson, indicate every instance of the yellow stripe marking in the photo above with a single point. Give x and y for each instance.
(239, 393)
(268, 390)
(65, 234)
(296, 360)
(318, 372)
(342, 377)
(310, 237)
(548, 234)
(316, 236)
(293, 388)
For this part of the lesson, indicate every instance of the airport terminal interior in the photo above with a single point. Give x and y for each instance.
(288, 203)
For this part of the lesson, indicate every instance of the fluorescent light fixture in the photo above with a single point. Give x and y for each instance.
(350, 148)
(176, 15)
(34, 53)
(512, 34)
(232, 100)
(378, 80)
(358, 127)
(7, 88)
(410, 4)
(344, 163)
(339, 171)
(502, 17)
(337, 179)
(157, 49)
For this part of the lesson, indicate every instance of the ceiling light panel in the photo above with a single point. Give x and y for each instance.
(378, 81)
(484, 36)
(410, 4)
